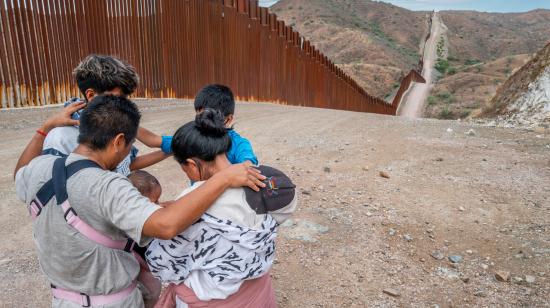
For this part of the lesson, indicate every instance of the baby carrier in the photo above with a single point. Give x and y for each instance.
(57, 186)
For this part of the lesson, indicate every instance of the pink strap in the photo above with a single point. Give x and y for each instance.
(88, 231)
(94, 300)
(34, 208)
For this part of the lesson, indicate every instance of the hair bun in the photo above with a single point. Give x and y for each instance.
(210, 122)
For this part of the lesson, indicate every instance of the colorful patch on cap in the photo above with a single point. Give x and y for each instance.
(271, 186)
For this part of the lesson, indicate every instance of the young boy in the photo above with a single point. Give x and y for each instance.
(220, 97)
(149, 187)
(106, 75)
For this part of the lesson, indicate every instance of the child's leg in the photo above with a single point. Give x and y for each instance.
(150, 286)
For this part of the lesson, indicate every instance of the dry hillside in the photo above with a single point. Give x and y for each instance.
(477, 36)
(525, 97)
(460, 94)
(481, 50)
(374, 42)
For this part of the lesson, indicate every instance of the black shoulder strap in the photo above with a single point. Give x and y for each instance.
(59, 178)
(48, 190)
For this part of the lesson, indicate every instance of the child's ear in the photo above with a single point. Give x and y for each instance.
(228, 120)
(119, 142)
(89, 94)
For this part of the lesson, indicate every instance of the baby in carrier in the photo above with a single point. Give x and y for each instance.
(149, 187)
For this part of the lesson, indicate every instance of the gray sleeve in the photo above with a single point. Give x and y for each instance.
(21, 183)
(123, 205)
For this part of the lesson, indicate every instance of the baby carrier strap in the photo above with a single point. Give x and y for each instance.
(59, 177)
(57, 186)
(46, 192)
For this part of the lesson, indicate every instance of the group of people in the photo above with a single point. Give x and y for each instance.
(104, 238)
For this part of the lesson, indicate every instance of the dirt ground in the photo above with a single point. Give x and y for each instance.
(414, 99)
(483, 196)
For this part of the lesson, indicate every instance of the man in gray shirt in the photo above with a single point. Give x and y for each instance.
(108, 203)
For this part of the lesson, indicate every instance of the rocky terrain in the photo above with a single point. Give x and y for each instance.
(394, 212)
(524, 99)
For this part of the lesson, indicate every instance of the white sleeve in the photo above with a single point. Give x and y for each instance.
(190, 189)
(62, 139)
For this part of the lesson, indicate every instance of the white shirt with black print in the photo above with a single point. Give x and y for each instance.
(228, 245)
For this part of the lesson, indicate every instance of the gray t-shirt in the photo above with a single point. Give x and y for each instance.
(64, 140)
(109, 203)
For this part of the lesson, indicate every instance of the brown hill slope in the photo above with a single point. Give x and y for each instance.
(483, 50)
(460, 94)
(374, 42)
(524, 98)
(488, 36)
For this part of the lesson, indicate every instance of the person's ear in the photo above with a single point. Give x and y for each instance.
(90, 94)
(228, 120)
(119, 142)
(191, 169)
(191, 164)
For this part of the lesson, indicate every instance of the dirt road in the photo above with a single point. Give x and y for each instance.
(483, 196)
(413, 102)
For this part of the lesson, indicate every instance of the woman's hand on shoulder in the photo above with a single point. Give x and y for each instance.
(240, 175)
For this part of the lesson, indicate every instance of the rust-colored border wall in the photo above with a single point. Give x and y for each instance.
(177, 46)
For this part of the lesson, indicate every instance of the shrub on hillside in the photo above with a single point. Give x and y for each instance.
(446, 114)
(444, 95)
(471, 62)
(442, 65)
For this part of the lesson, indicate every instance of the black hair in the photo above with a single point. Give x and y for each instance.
(104, 73)
(205, 138)
(104, 118)
(217, 97)
(144, 181)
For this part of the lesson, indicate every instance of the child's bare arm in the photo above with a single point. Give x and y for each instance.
(149, 138)
(147, 160)
(153, 140)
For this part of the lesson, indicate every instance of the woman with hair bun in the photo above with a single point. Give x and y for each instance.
(223, 260)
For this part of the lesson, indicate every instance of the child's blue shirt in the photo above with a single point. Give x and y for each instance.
(241, 149)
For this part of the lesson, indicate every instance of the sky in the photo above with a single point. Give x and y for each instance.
(477, 5)
(267, 2)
